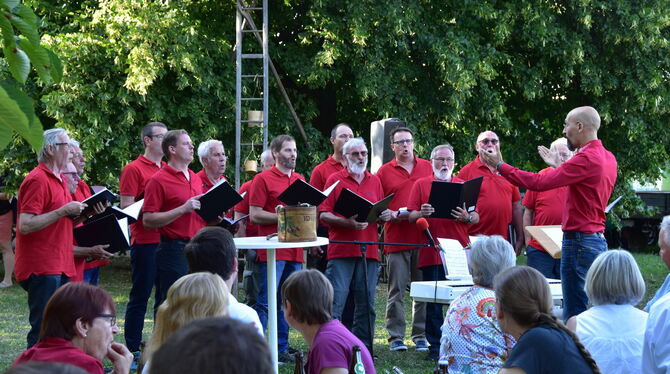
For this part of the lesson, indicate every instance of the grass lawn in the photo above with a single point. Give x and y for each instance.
(116, 280)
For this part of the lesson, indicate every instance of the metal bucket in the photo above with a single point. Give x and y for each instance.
(296, 223)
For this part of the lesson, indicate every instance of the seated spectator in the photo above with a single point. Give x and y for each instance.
(544, 344)
(211, 346)
(307, 297)
(613, 329)
(471, 337)
(191, 297)
(213, 250)
(664, 252)
(78, 328)
(36, 367)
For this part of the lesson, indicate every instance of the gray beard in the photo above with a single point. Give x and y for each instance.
(443, 175)
(356, 169)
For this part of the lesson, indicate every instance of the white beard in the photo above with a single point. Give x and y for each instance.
(442, 175)
(358, 169)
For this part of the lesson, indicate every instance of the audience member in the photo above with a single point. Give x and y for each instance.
(664, 252)
(6, 225)
(192, 296)
(398, 177)
(471, 326)
(44, 256)
(612, 330)
(212, 249)
(544, 344)
(144, 242)
(211, 346)
(78, 328)
(36, 367)
(307, 296)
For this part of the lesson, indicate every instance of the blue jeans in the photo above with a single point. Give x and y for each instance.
(543, 262)
(578, 253)
(348, 273)
(143, 267)
(284, 269)
(434, 316)
(170, 266)
(92, 276)
(40, 288)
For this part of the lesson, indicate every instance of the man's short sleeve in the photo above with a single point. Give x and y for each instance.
(329, 204)
(32, 196)
(529, 199)
(153, 196)
(516, 195)
(258, 192)
(130, 182)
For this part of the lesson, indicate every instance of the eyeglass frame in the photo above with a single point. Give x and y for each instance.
(112, 321)
(486, 141)
(403, 142)
(443, 159)
(157, 136)
(355, 154)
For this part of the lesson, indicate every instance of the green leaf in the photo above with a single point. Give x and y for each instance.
(28, 126)
(7, 31)
(56, 66)
(40, 59)
(19, 63)
(26, 22)
(9, 4)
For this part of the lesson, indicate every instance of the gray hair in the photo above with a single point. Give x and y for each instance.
(355, 142)
(439, 147)
(489, 256)
(614, 278)
(267, 155)
(50, 139)
(204, 147)
(557, 142)
(75, 143)
(665, 227)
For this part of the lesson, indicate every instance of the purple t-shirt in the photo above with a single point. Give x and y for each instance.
(332, 347)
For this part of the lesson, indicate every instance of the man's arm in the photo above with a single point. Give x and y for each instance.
(350, 222)
(126, 201)
(528, 215)
(261, 217)
(242, 225)
(154, 220)
(29, 223)
(96, 252)
(517, 223)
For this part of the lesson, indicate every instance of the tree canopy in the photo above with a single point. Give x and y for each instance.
(451, 69)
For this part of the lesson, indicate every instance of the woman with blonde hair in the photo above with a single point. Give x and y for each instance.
(191, 297)
(544, 345)
(613, 329)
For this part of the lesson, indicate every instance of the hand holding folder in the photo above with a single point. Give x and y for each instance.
(350, 204)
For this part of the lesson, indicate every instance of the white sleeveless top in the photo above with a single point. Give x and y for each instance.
(614, 335)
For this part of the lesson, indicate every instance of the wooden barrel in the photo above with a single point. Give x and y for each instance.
(296, 223)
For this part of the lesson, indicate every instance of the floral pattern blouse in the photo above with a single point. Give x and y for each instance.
(472, 341)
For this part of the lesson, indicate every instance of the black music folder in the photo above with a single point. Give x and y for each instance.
(445, 196)
(349, 203)
(227, 223)
(215, 202)
(106, 230)
(302, 192)
(131, 212)
(102, 196)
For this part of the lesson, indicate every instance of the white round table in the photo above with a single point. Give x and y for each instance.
(272, 245)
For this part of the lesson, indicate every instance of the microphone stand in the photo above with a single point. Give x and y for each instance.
(364, 247)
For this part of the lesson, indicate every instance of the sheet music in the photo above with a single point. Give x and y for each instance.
(555, 234)
(134, 209)
(454, 259)
(123, 223)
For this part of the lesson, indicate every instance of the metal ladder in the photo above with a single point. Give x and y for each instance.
(244, 24)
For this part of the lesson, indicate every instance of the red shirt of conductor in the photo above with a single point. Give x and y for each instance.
(170, 200)
(345, 266)
(590, 176)
(443, 160)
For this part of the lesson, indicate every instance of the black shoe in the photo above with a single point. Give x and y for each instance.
(432, 355)
(285, 357)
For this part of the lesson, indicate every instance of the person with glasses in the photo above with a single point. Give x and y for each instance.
(590, 176)
(144, 242)
(443, 160)
(398, 177)
(78, 329)
(499, 202)
(44, 259)
(345, 266)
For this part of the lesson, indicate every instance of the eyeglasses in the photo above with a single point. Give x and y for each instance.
(72, 174)
(65, 144)
(442, 159)
(404, 141)
(487, 141)
(361, 153)
(112, 318)
(157, 136)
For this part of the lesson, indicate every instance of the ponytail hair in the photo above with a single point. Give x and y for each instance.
(523, 294)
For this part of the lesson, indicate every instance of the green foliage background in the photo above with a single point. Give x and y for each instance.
(449, 68)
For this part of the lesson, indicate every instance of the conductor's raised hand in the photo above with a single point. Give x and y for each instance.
(352, 223)
(550, 157)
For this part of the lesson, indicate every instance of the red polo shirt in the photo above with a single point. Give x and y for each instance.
(243, 208)
(324, 170)
(169, 189)
(494, 204)
(82, 193)
(395, 179)
(133, 179)
(371, 189)
(206, 183)
(47, 251)
(438, 227)
(589, 175)
(547, 207)
(60, 350)
(267, 186)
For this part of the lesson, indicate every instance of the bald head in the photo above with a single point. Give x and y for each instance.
(585, 115)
